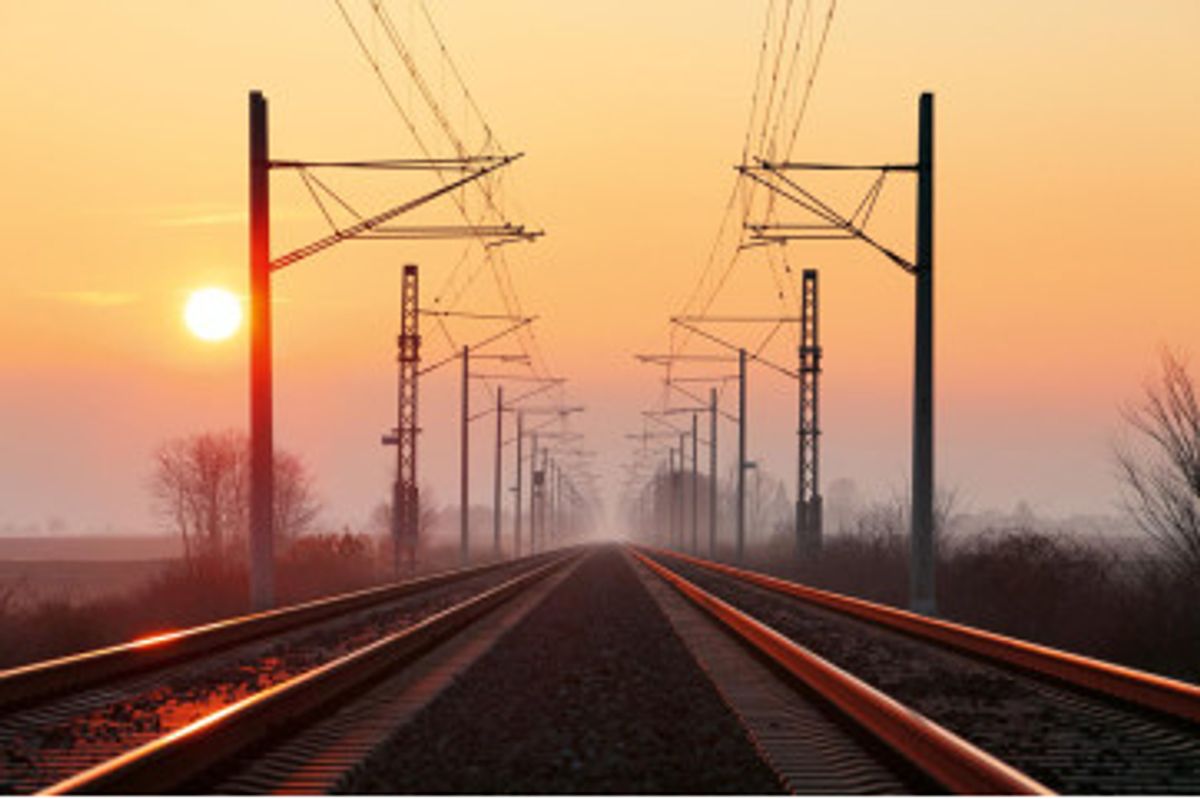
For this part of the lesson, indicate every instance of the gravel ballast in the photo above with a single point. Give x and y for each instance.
(45, 743)
(1071, 742)
(592, 693)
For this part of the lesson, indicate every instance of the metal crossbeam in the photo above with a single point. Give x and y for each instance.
(730, 345)
(439, 164)
(483, 343)
(837, 226)
(437, 232)
(812, 166)
(666, 359)
(723, 414)
(366, 225)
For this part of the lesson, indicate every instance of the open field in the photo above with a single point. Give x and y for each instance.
(75, 581)
(79, 569)
(89, 547)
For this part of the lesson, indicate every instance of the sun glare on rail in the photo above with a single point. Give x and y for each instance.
(155, 639)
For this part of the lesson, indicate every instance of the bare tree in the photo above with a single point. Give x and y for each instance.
(196, 488)
(1160, 470)
(768, 509)
(200, 485)
(380, 521)
(890, 520)
(296, 506)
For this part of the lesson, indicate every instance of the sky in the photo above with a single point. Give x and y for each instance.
(1066, 251)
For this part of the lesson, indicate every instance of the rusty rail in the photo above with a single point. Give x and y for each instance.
(1162, 694)
(25, 685)
(165, 764)
(938, 753)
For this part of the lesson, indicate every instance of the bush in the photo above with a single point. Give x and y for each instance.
(185, 594)
(1060, 590)
(868, 561)
(328, 563)
(1052, 589)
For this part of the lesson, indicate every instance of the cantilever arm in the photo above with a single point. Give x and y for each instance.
(527, 320)
(718, 340)
(673, 384)
(373, 222)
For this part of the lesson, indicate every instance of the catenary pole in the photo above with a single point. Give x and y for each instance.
(695, 550)
(262, 521)
(681, 493)
(464, 466)
(497, 495)
(712, 473)
(671, 497)
(922, 590)
(520, 467)
(741, 464)
(533, 492)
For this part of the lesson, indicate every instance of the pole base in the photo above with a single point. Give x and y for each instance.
(923, 606)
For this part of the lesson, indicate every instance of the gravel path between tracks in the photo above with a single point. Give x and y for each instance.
(592, 693)
(1070, 742)
(47, 743)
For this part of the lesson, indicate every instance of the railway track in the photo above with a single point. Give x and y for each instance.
(987, 709)
(592, 693)
(150, 715)
(442, 682)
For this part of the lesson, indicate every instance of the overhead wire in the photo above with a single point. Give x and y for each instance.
(762, 136)
(793, 64)
(737, 186)
(487, 189)
(304, 178)
(777, 112)
(812, 77)
(491, 188)
(769, 153)
(527, 341)
(504, 283)
(498, 262)
(775, 120)
(753, 126)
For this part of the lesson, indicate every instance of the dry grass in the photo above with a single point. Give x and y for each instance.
(1055, 589)
(175, 594)
(75, 581)
(178, 595)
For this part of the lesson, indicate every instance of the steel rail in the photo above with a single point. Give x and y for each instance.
(25, 685)
(167, 763)
(1151, 691)
(936, 752)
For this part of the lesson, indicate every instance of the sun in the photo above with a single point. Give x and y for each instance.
(212, 314)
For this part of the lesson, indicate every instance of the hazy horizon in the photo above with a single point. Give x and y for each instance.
(1066, 176)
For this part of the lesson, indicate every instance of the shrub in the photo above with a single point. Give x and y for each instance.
(1053, 589)
(1128, 607)
(327, 563)
(185, 594)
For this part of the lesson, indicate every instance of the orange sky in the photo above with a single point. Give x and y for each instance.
(1066, 251)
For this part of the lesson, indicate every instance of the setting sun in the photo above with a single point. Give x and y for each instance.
(212, 314)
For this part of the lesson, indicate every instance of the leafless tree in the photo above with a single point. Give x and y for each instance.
(1160, 469)
(296, 506)
(200, 485)
(888, 523)
(379, 523)
(196, 489)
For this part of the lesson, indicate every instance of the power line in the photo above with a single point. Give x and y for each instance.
(507, 294)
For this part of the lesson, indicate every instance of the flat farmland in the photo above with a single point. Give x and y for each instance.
(81, 568)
